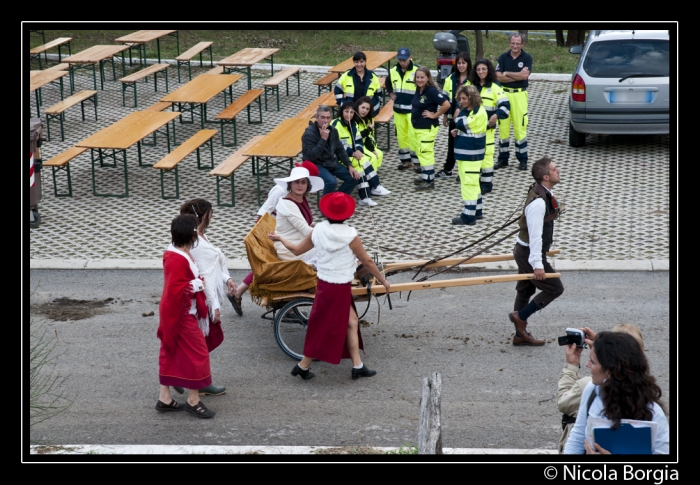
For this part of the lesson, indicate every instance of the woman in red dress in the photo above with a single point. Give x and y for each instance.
(184, 357)
(333, 332)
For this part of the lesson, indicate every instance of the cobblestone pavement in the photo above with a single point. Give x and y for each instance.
(616, 188)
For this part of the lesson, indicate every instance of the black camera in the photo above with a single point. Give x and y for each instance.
(573, 336)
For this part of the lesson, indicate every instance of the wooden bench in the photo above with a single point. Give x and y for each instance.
(273, 84)
(173, 159)
(309, 112)
(326, 82)
(57, 111)
(35, 52)
(383, 120)
(59, 163)
(229, 113)
(131, 80)
(225, 170)
(216, 70)
(58, 67)
(159, 106)
(186, 57)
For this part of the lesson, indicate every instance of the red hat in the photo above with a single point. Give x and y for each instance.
(310, 166)
(337, 206)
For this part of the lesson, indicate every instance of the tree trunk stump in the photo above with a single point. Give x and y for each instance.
(429, 430)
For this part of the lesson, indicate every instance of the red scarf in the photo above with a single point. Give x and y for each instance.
(176, 302)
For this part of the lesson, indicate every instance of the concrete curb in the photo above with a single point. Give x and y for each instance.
(241, 264)
(244, 450)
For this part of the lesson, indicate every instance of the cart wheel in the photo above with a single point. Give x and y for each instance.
(290, 326)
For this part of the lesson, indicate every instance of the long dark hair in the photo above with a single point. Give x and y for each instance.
(630, 389)
(490, 77)
(466, 58)
(370, 115)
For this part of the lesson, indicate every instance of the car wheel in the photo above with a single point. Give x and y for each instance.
(576, 139)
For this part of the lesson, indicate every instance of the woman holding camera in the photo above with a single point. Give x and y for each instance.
(621, 387)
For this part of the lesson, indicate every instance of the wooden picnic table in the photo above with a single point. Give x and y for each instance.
(243, 60)
(284, 141)
(39, 79)
(121, 135)
(142, 37)
(309, 112)
(199, 91)
(375, 59)
(97, 54)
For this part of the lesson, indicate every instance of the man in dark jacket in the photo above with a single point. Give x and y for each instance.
(320, 144)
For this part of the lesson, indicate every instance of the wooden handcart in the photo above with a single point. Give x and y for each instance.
(289, 310)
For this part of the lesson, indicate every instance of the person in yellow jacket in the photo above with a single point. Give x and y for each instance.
(459, 77)
(365, 122)
(497, 107)
(401, 87)
(470, 146)
(350, 137)
(428, 105)
(357, 82)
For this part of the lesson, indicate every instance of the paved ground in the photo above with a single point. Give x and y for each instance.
(615, 189)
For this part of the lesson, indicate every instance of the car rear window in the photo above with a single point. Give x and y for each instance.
(621, 58)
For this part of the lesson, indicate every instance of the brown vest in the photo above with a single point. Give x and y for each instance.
(537, 191)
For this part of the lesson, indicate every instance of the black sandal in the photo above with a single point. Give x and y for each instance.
(236, 303)
(199, 410)
(173, 406)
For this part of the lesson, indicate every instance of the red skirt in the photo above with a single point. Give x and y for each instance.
(328, 323)
(188, 365)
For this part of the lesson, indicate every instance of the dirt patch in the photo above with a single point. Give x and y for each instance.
(62, 309)
(51, 449)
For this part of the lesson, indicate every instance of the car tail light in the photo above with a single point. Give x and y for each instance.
(443, 61)
(578, 89)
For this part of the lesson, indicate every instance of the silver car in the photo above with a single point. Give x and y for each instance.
(620, 85)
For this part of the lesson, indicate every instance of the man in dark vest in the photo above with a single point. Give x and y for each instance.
(530, 252)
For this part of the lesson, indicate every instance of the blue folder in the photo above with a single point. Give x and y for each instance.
(625, 440)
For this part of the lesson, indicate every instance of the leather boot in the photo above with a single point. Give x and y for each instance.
(522, 336)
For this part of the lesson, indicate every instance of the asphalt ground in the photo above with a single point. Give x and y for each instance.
(494, 396)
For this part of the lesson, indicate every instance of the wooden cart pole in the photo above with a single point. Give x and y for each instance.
(429, 285)
(488, 258)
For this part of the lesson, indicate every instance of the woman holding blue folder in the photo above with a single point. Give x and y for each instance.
(621, 387)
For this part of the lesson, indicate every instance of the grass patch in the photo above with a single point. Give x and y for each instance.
(323, 47)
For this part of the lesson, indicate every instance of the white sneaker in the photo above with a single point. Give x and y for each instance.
(368, 202)
(379, 190)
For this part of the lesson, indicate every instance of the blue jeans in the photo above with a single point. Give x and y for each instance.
(329, 178)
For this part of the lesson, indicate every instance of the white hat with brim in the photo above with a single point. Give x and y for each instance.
(297, 173)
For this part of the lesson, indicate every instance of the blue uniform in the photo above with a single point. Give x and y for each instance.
(516, 92)
(426, 129)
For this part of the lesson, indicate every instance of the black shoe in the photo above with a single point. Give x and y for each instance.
(199, 410)
(179, 390)
(458, 221)
(212, 390)
(305, 374)
(363, 372)
(236, 303)
(442, 174)
(418, 180)
(523, 166)
(417, 169)
(425, 186)
(402, 167)
(500, 164)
